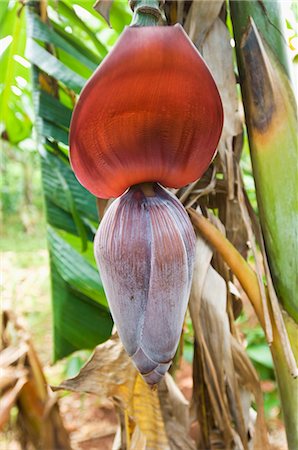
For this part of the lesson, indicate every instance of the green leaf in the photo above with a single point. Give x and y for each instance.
(66, 197)
(120, 15)
(75, 362)
(49, 129)
(71, 204)
(85, 202)
(76, 22)
(52, 66)
(40, 31)
(74, 64)
(261, 354)
(75, 270)
(53, 110)
(74, 241)
(17, 123)
(13, 25)
(77, 44)
(79, 322)
(59, 218)
(3, 17)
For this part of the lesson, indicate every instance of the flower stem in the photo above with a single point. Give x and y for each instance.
(147, 13)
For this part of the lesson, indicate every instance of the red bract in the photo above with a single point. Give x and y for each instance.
(151, 112)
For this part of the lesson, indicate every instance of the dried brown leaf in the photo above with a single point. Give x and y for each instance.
(232, 257)
(217, 52)
(177, 401)
(209, 289)
(9, 399)
(145, 410)
(216, 329)
(10, 375)
(203, 258)
(102, 205)
(212, 330)
(200, 18)
(258, 267)
(138, 440)
(117, 439)
(109, 373)
(180, 11)
(175, 413)
(103, 7)
(214, 322)
(12, 354)
(38, 413)
(248, 379)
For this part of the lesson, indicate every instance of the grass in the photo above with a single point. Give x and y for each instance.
(16, 238)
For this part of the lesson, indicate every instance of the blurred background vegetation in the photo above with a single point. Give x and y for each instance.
(26, 287)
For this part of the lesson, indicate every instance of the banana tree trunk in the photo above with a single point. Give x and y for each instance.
(271, 119)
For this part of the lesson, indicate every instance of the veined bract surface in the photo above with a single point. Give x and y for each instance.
(144, 249)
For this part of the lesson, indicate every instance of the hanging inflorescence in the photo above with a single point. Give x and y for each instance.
(150, 116)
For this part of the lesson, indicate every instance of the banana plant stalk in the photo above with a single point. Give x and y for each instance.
(271, 119)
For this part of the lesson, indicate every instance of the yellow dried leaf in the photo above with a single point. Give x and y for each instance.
(9, 399)
(110, 374)
(145, 410)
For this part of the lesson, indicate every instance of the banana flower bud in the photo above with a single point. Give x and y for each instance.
(150, 116)
(144, 249)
